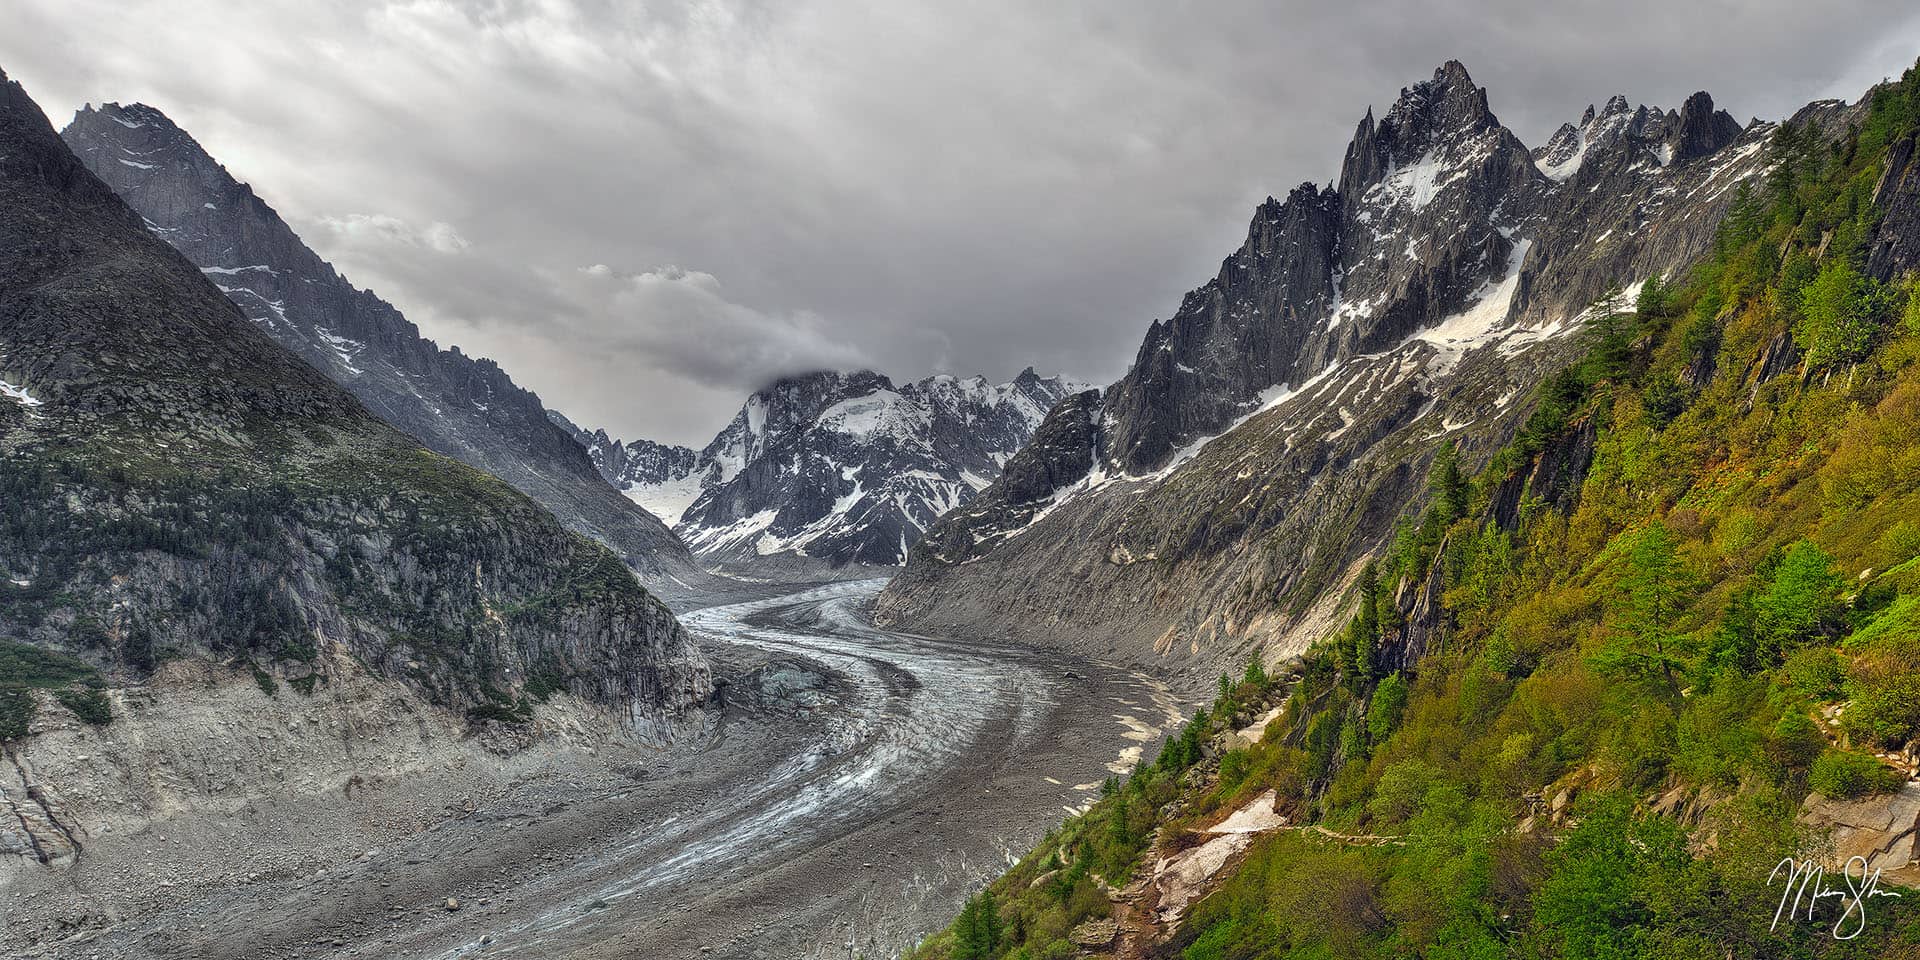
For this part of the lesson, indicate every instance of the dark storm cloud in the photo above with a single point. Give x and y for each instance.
(644, 210)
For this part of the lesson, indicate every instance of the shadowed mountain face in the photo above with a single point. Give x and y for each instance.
(840, 468)
(178, 484)
(1268, 436)
(464, 407)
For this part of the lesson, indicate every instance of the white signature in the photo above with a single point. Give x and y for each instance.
(1807, 886)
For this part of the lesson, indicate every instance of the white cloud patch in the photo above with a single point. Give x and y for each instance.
(376, 230)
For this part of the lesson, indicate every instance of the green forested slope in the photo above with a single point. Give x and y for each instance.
(1602, 736)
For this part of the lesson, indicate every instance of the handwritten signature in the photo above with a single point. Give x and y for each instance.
(1808, 885)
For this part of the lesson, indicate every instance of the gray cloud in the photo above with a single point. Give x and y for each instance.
(964, 187)
(682, 323)
(377, 233)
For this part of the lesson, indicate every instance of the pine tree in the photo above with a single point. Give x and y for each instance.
(1803, 601)
(976, 935)
(1653, 592)
(1120, 836)
(1256, 674)
(1652, 301)
(1447, 485)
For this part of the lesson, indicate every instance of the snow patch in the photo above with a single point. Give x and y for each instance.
(1417, 185)
(18, 394)
(344, 349)
(668, 501)
(1565, 169)
(1257, 816)
(1481, 322)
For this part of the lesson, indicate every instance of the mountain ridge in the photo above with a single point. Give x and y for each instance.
(1317, 374)
(794, 473)
(464, 407)
(181, 486)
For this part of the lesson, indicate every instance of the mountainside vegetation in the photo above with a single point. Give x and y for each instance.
(1602, 738)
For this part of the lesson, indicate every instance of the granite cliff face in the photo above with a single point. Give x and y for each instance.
(1268, 436)
(460, 406)
(840, 468)
(181, 487)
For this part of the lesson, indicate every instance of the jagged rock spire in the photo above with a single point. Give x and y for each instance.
(1699, 129)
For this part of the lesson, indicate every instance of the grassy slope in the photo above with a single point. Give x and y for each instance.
(1742, 559)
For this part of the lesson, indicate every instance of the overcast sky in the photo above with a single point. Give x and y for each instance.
(645, 210)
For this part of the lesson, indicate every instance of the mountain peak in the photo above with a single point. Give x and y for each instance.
(1700, 129)
(833, 467)
(134, 114)
(1449, 107)
(457, 405)
(1452, 72)
(825, 381)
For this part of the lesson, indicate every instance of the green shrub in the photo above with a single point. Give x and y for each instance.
(1816, 672)
(1796, 740)
(25, 668)
(1883, 682)
(1389, 702)
(516, 713)
(1841, 775)
(16, 712)
(88, 704)
(1234, 767)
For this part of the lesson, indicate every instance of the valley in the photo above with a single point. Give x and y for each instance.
(854, 786)
(1511, 549)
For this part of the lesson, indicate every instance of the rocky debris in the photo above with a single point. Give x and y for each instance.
(842, 468)
(1098, 932)
(277, 864)
(1270, 434)
(206, 786)
(1255, 732)
(1880, 828)
(460, 406)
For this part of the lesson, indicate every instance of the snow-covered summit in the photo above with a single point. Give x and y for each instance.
(841, 467)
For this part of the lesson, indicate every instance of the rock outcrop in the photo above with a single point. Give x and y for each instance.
(1880, 828)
